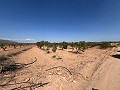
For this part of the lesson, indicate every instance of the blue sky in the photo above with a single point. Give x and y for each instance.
(60, 20)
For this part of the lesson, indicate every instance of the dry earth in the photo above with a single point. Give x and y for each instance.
(95, 69)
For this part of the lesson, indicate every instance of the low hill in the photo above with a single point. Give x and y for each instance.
(6, 41)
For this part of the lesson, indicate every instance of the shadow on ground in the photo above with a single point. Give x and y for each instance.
(116, 56)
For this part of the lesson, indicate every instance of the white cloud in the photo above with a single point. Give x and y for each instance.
(17, 39)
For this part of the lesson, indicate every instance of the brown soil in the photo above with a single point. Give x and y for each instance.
(94, 68)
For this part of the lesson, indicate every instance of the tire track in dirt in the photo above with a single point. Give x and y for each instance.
(97, 66)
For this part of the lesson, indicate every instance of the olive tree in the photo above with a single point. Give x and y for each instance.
(40, 44)
(105, 45)
(3, 46)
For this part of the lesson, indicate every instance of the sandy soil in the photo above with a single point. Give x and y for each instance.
(94, 68)
(11, 50)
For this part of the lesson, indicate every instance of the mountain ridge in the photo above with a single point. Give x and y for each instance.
(7, 41)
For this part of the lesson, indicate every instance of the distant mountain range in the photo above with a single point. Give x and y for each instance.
(6, 41)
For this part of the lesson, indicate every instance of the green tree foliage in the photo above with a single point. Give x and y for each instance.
(105, 45)
(82, 46)
(91, 44)
(72, 45)
(60, 45)
(54, 48)
(79, 46)
(40, 44)
(64, 45)
(3, 46)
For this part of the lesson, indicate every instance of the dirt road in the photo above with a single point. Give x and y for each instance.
(107, 77)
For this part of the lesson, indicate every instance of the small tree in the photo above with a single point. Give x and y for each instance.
(20, 44)
(83, 46)
(80, 46)
(9, 45)
(91, 44)
(14, 46)
(72, 45)
(105, 45)
(40, 44)
(64, 45)
(54, 48)
(3, 46)
(60, 45)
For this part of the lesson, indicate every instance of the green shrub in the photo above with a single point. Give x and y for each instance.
(54, 48)
(3, 46)
(40, 44)
(64, 45)
(81, 46)
(105, 45)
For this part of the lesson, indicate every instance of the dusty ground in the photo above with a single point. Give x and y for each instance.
(94, 68)
(11, 50)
